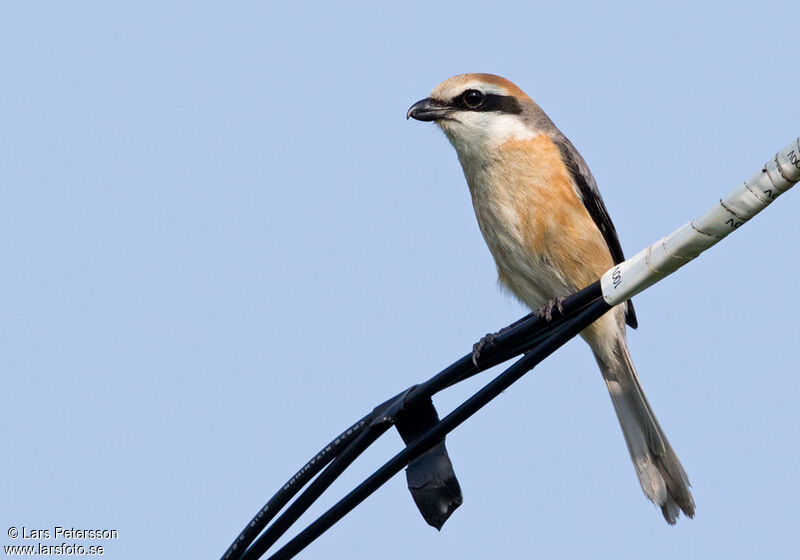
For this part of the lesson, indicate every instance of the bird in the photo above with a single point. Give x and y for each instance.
(548, 229)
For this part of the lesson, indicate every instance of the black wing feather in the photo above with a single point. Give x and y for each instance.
(590, 195)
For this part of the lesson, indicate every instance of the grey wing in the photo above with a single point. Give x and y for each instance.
(590, 195)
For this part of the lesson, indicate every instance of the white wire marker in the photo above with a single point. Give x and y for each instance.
(685, 244)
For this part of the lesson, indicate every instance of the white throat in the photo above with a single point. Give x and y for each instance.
(475, 134)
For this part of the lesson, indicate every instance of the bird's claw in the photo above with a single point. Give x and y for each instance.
(546, 311)
(478, 347)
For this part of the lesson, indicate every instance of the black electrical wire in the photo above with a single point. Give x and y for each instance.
(315, 489)
(292, 487)
(446, 425)
(533, 333)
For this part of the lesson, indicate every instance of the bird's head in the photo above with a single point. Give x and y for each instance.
(480, 111)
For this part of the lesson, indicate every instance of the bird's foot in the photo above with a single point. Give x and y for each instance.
(546, 311)
(489, 339)
(478, 347)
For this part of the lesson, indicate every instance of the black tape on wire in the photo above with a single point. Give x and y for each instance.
(430, 477)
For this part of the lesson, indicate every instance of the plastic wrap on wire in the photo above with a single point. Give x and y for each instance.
(686, 243)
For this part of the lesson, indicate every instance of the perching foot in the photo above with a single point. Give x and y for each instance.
(478, 347)
(546, 311)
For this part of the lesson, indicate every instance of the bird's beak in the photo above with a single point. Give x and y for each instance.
(429, 109)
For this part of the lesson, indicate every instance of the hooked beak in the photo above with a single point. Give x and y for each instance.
(429, 109)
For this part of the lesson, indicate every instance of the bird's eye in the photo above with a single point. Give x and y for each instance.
(473, 98)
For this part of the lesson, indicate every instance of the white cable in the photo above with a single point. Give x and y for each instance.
(686, 243)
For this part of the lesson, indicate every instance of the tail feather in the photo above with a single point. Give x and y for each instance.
(660, 472)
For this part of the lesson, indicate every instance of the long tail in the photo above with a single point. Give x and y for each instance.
(659, 470)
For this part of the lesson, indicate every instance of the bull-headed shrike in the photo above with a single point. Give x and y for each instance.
(548, 230)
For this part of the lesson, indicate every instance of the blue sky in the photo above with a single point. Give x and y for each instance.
(222, 243)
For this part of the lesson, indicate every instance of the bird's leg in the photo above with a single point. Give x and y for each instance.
(546, 311)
